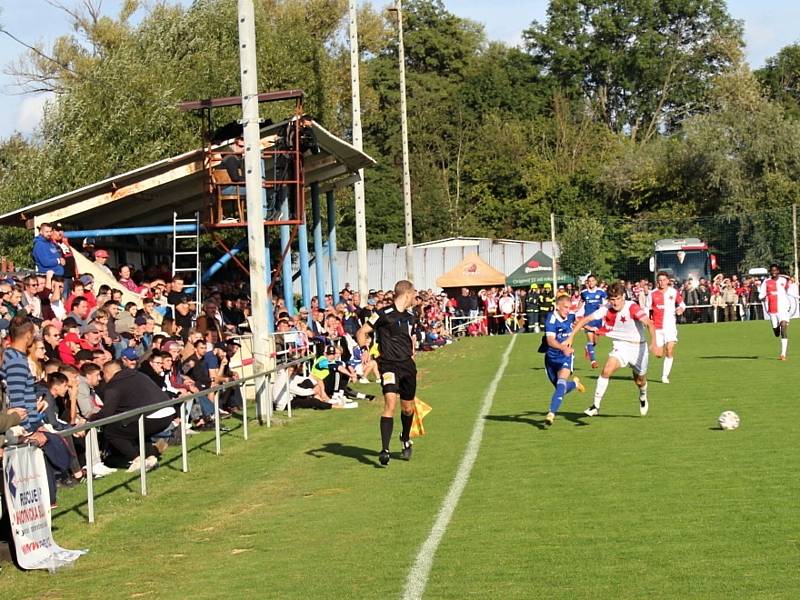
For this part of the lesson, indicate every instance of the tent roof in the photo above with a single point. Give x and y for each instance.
(537, 269)
(472, 271)
(150, 194)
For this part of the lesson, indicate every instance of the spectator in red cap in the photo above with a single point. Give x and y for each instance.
(100, 260)
(69, 346)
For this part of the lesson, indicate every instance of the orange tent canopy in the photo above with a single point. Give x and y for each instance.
(472, 271)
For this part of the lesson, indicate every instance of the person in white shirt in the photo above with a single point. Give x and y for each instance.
(624, 322)
(665, 303)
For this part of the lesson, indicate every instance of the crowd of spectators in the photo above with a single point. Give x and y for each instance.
(500, 310)
(74, 352)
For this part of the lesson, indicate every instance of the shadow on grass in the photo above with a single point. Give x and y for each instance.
(527, 418)
(365, 456)
(729, 357)
(131, 484)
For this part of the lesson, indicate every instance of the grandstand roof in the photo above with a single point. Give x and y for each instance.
(150, 194)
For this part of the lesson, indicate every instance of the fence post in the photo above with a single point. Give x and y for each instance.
(286, 391)
(555, 254)
(142, 457)
(184, 457)
(794, 238)
(91, 437)
(217, 441)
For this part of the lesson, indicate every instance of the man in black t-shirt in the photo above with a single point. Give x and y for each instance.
(393, 327)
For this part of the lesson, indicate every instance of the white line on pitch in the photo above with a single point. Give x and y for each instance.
(417, 578)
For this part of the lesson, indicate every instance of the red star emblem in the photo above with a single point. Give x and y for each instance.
(623, 319)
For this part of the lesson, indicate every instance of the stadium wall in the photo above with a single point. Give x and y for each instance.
(388, 264)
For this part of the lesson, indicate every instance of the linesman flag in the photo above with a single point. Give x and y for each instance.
(420, 412)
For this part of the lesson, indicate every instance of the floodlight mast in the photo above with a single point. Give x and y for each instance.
(358, 186)
(261, 301)
(409, 226)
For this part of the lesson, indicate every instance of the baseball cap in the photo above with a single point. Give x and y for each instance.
(130, 354)
(83, 355)
(534, 286)
(89, 329)
(101, 254)
(140, 320)
(548, 286)
(220, 346)
(169, 345)
(86, 280)
(330, 349)
(234, 342)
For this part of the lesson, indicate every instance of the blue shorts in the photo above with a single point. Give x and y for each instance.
(554, 365)
(597, 323)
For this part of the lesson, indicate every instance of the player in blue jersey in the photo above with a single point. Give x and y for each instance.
(592, 298)
(558, 357)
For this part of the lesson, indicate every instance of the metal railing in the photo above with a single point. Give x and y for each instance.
(142, 413)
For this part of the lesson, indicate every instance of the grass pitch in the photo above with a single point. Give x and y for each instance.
(615, 506)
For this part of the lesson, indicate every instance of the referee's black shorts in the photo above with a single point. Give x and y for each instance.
(399, 378)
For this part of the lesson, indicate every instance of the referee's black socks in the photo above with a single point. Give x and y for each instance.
(387, 425)
(407, 420)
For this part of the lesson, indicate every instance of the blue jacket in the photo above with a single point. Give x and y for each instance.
(46, 256)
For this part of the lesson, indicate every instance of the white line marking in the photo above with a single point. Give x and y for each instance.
(417, 578)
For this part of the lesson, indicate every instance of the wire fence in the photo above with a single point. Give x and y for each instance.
(263, 410)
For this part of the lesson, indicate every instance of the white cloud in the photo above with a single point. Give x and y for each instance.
(29, 112)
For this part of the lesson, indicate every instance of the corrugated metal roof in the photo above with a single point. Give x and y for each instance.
(348, 160)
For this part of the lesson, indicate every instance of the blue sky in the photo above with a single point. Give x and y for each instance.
(769, 25)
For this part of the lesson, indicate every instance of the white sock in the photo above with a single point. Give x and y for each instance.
(784, 346)
(667, 366)
(600, 390)
(643, 391)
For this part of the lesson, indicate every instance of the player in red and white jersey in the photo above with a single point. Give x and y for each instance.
(665, 303)
(775, 294)
(624, 322)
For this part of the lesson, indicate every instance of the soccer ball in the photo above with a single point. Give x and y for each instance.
(728, 420)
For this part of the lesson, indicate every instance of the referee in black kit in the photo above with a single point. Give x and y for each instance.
(393, 327)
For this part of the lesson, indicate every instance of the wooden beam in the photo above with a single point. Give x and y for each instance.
(118, 194)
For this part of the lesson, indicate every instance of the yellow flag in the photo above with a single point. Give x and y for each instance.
(420, 411)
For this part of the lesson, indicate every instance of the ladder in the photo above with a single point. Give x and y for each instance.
(186, 252)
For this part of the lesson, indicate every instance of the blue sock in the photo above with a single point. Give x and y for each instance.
(590, 349)
(570, 386)
(558, 395)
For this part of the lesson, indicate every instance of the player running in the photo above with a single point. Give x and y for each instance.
(666, 302)
(592, 298)
(393, 326)
(624, 322)
(559, 357)
(775, 293)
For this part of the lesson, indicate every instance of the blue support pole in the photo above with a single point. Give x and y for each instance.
(305, 274)
(267, 282)
(319, 263)
(224, 259)
(286, 235)
(331, 199)
(121, 231)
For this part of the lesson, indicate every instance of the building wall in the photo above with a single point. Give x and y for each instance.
(388, 264)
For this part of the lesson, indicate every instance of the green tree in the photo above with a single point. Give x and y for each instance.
(643, 65)
(780, 77)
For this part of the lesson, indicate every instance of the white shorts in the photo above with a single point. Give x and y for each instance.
(776, 318)
(666, 336)
(632, 354)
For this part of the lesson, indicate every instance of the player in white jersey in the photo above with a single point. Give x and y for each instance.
(778, 297)
(665, 303)
(624, 322)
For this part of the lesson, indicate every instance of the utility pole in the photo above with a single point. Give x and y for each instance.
(407, 212)
(358, 186)
(555, 254)
(255, 211)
